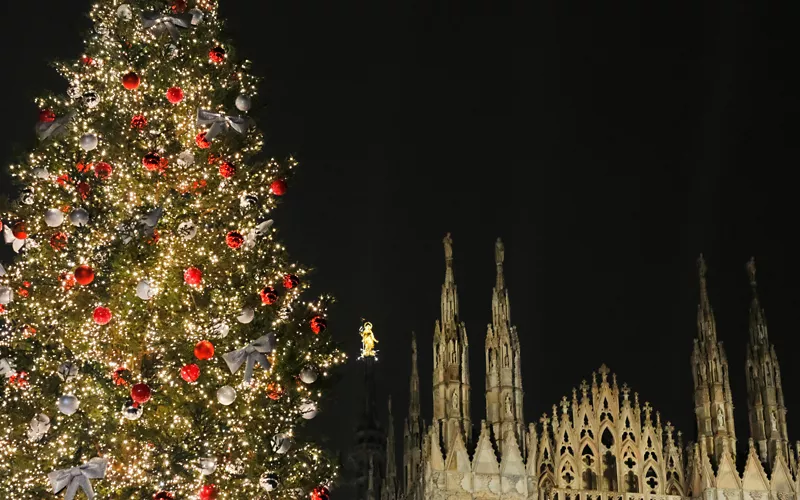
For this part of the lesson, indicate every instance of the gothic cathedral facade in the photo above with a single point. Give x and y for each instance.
(601, 444)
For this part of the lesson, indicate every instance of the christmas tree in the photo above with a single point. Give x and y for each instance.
(154, 342)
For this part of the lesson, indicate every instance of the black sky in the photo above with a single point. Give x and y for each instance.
(607, 144)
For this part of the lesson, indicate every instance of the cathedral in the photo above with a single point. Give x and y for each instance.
(602, 444)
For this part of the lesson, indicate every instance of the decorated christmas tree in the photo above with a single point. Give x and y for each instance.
(156, 340)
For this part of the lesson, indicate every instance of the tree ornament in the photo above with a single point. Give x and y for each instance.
(201, 141)
(58, 241)
(227, 169)
(74, 90)
(131, 81)
(274, 391)
(19, 230)
(163, 495)
(151, 161)
(102, 171)
(193, 276)
(290, 281)
(217, 55)
(42, 173)
(132, 410)
(38, 427)
(318, 324)
(187, 230)
(124, 12)
(248, 201)
(179, 6)
(26, 196)
(281, 443)
(140, 393)
(243, 103)
(186, 159)
(102, 315)
(6, 295)
(79, 217)
(204, 350)
(53, 217)
(89, 142)
(83, 188)
(68, 404)
(269, 295)
(320, 493)
(90, 99)
(47, 116)
(268, 481)
(138, 122)
(84, 274)
(174, 95)
(220, 329)
(67, 281)
(144, 290)
(207, 465)
(197, 16)
(246, 316)
(226, 395)
(67, 371)
(309, 375)
(190, 373)
(208, 492)
(308, 410)
(278, 187)
(234, 239)
(120, 376)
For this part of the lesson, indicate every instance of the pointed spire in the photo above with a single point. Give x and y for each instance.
(706, 326)
(499, 257)
(413, 399)
(758, 322)
(391, 466)
(501, 315)
(449, 295)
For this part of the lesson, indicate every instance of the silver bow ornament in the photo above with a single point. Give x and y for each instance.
(38, 428)
(55, 128)
(259, 231)
(6, 368)
(78, 477)
(158, 24)
(254, 353)
(16, 243)
(220, 122)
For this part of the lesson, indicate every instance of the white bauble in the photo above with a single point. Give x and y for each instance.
(281, 443)
(145, 291)
(90, 99)
(268, 481)
(53, 217)
(132, 411)
(308, 410)
(207, 465)
(26, 196)
(221, 329)
(68, 404)
(6, 295)
(187, 230)
(124, 12)
(186, 159)
(226, 395)
(89, 142)
(41, 173)
(243, 103)
(67, 371)
(79, 217)
(246, 315)
(74, 90)
(309, 375)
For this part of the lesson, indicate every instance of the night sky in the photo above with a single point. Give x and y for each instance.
(607, 146)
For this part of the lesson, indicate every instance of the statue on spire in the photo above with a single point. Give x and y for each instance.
(448, 247)
(499, 252)
(751, 271)
(368, 341)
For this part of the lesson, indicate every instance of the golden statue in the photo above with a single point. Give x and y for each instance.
(368, 341)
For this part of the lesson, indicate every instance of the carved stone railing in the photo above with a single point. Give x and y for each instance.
(568, 494)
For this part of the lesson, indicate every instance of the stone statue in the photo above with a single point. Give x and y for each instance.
(720, 418)
(448, 247)
(455, 400)
(499, 252)
(774, 422)
(509, 412)
(368, 341)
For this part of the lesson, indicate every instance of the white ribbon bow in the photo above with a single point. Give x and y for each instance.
(54, 128)
(6, 368)
(78, 477)
(220, 123)
(254, 353)
(16, 243)
(162, 23)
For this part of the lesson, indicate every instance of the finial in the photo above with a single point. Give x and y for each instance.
(604, 371)
(414, 341)
(584, 388)
(594, 379)
(625, 391)
(564, 405)
(636, 399)
(647, 409)
(544, 421)
(448, 248)
(751, 271)
(669, 428)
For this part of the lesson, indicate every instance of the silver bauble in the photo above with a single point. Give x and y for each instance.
(281, 443)
(68, 404)
(90, 99)
(53, 217)
(145, 291)
(243, 103)
(67, 371)
(246, 315)
(26, 196)
(187, 230)
(79, 217)
(132, 411)
(247, 201)
(74, 90)
(89, 142)
(207, 465)
(309, 375)
(226, 395)
(308, 410)
(6, 295)
(268, 481)
(124, 12)
(221, 329)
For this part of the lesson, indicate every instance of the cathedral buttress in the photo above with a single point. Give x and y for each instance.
(712, 390)
(765, 406)
(451, 392)
(503, 372)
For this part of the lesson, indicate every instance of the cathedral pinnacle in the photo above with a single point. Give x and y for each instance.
(449, 295)
(499, 257)
(758, 323)
(706, 325)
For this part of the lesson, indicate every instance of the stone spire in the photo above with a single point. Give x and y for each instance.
(765, 404)
(389, 489)
(412, 430)
(503, 370)
(712, 392)
(451, 390)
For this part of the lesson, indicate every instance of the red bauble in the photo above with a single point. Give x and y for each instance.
(67, 280)
(84, 274)
(290, 281)
(83, 189)
(87, 60)
(212, 158)
(46, 116)
(140, 393)
(269, 295)
(174, 95)
(120, 376)
(234, 239)
(19, 230)
(178, 6)
(318, 324)
(278, 187)
(102, 170)
(201, 141)
(208, 492)
(320, 493)
(58, 241)
(217, 55)
(204, 350)
(131, 81)
(190, 373)
(193, 276)
(227, 169)
(274, 391)
(151, 161)
(163, 495)
(102, 315)
(83, 167)
(162, 164)
(138, 122)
